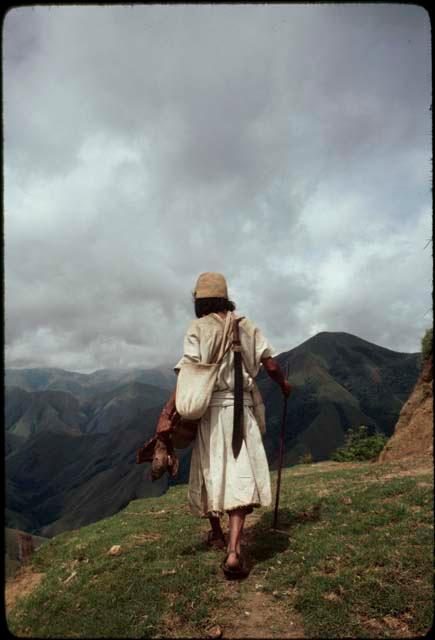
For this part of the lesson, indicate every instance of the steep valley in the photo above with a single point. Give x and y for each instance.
(70, 439)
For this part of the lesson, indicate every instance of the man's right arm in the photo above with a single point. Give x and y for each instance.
(165, 424)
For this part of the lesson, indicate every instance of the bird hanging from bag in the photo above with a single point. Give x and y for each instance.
(173, 432)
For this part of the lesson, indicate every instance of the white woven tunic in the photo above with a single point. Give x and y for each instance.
(218, 482)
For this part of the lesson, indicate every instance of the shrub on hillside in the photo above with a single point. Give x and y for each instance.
(359, 445)
(306, 458)
(426, 345)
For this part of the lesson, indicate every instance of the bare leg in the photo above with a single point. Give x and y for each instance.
(241, 535)
(236, 522)
(215, 524)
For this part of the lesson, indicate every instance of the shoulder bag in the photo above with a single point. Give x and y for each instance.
(196, 380)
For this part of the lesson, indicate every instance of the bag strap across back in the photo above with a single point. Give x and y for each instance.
(222, 348)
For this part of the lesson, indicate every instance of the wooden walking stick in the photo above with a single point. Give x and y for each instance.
(281, 453)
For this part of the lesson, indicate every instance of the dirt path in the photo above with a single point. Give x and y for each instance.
(23, 583)
(259, 615)
(253, 613)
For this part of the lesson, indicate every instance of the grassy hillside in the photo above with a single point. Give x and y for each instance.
(352, 557)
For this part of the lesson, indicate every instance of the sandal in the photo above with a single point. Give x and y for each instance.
(239, 571)
(215, 541)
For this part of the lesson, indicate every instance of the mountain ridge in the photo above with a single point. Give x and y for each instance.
(85, 384)
(339, 381)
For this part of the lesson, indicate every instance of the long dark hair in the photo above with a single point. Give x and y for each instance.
(204, 306)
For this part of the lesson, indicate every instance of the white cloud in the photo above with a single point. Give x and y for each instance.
(282, 145)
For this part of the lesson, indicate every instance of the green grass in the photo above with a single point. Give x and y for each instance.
(356, 555)
(354, 549)
(127, 595)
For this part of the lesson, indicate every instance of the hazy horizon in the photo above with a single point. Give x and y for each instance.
(169, 366)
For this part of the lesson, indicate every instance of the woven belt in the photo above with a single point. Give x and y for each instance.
(226, 399)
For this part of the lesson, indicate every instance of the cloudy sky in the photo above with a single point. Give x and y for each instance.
(287, 146)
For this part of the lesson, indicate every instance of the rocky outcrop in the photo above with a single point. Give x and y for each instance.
(413, 434)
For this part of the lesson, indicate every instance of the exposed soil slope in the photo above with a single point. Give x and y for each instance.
(413, 435)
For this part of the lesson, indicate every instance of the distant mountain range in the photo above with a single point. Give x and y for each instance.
(85, 385)
(71, 461)
(71, 438)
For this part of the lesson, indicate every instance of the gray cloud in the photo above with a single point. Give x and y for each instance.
(286, 146)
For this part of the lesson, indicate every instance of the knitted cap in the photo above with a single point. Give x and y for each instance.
(211, 285)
